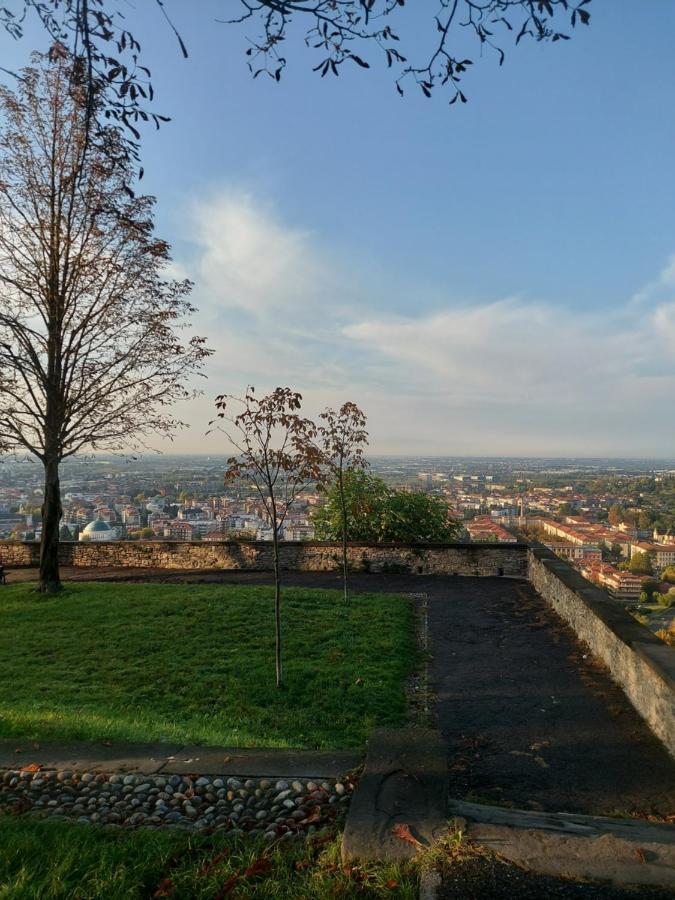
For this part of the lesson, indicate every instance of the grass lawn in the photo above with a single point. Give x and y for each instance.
(58, 860)
(187, 662)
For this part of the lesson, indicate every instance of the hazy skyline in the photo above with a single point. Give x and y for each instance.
(497, 278)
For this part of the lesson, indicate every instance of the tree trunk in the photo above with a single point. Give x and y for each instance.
(50, 581)
(345, 567)
(277, 610)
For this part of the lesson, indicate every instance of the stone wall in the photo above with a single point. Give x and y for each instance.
(301, 556)
(640, 663)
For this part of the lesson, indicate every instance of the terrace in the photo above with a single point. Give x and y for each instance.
(536, 711)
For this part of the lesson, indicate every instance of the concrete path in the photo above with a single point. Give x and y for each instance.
(617, 850)
(531, 720)
(151, 759)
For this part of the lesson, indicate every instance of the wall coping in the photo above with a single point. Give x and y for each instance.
(467, 545)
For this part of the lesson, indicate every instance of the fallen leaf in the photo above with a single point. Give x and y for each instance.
(227, 759)
(261, 866)
(219, 857)
(227, 886)
(301, 864)
(33, 767)
(403, 832)
(314, 815)
(391, 885)
(640, 854)
(164, 888)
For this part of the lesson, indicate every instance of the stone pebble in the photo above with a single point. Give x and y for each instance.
(263, 807)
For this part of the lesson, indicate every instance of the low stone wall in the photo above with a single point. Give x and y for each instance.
(300, 556)
(638, 661)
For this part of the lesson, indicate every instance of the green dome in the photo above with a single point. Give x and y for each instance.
(98, 525)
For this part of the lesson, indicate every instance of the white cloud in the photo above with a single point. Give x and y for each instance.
(511, 349)
(250, 259)
(511, 376)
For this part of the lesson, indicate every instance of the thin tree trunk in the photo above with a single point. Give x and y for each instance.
(50, 581)
(277, 610)
(345, 567)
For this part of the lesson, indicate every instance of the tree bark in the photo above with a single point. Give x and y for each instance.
(50, 581)
(277, 610)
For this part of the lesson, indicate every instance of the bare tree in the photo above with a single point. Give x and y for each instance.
(90, 348)
(343, 438)
(336, 32)
(277, 454)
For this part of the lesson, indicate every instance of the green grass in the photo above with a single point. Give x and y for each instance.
(59, 861)
(196, 663)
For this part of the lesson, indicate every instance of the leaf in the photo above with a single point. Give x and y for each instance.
(391, 885)
(261, 866)
(403, 832)
(164, 888)
(33, 767)
(227, 886)
(640, 854)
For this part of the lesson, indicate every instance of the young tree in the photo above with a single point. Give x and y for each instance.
(277, 454)
(90, 350)
(343, 437)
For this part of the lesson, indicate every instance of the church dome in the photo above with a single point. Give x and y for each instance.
(96, 527)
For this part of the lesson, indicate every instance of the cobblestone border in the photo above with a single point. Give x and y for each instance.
(270, 808)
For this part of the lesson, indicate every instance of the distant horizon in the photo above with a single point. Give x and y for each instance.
(108, 455)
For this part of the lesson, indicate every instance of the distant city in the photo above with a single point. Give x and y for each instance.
(613, 519)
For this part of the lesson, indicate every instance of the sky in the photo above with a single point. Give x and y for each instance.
(495, 278)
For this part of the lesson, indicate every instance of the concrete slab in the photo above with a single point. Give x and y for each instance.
(262, 762)
(87, 756)
(179, 759)
(404, 784)
(623, 851)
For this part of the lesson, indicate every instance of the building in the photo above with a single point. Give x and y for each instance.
(623, 585)
(662, 555)
(586, 552)
(99, 531)
(484, 528)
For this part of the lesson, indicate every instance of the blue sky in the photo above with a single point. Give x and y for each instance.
(496, 278)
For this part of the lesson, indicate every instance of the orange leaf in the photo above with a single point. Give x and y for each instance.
(640, 853)
(391, 885)
(403, 831)
(33, 767)
(261, 866)
(209, 864)
(314, 814)
(164, 888)
(227, 886)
